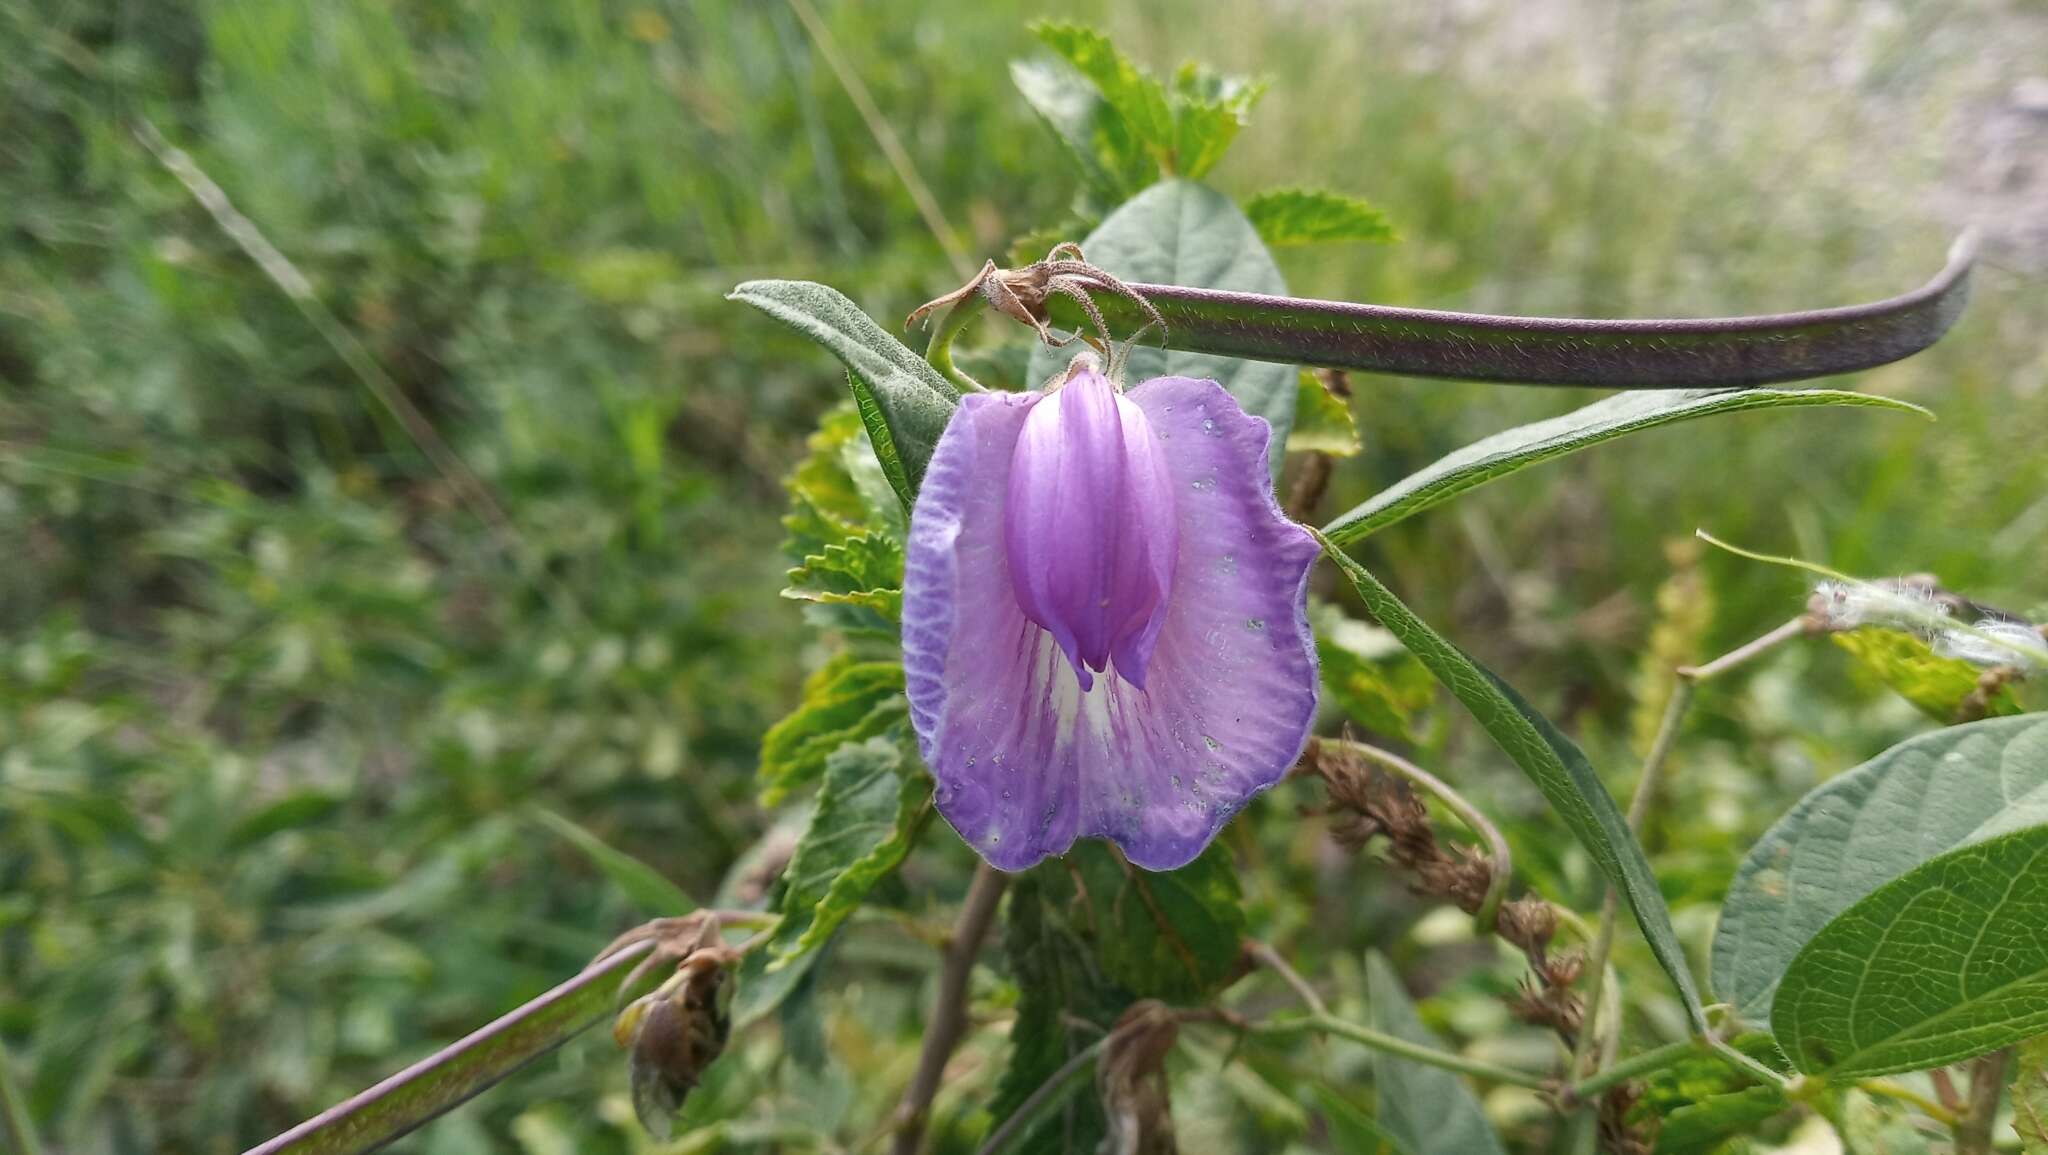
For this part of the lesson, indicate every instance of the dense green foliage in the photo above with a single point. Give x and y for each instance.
(320, 745)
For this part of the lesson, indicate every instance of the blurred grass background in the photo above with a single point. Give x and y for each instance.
(277, 704)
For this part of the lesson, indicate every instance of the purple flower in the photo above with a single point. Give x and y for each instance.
(1105, 619)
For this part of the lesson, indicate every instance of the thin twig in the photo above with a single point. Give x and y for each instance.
(1987, 1084)
(1271, 959)
(1795, 628)
(1890, 1090)
(1655, 1059)
(885, 136)
(469, 488)
(949, 1015)
(1021, 1119)
(1395, 1045)
(1686, 680)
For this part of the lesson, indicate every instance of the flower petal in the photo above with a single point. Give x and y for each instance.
(1026, 761)
(1089, 525)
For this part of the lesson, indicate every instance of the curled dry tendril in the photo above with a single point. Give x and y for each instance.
(1021, 294)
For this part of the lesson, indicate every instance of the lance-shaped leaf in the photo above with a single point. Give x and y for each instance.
(1940, 965)
(1860, 830)
(1351, 1129)
(647, 887)
(1430, 1110)
(451, 1076)
(1552, 761)
(1492, 458)
(1184, 233)
(1683, 353)
(900, 396)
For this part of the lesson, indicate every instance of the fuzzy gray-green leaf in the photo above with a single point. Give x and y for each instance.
(913, 401)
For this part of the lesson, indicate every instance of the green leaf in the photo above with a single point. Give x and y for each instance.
(1090, 934)
(1138, 100)
(1322, 421)
(1428, 1109)
(1557, 767)
(1911, 668)
(1514, 449)
(1940, 965)
(1208, 110)
(299, 808)
(1181, 233)
(868, 814)
(1702, 1099)
(1352, 1131)
(846, 701)
(1367, 673)
(862, 573)
(1698, 1128)
(1059, 985)
(2030, 1096)
(1862, 829)
(1173, 935)
(1299, 216)
(1113, 163)
(827, 504)
(643, 885)
(875, 420)
(907, 397)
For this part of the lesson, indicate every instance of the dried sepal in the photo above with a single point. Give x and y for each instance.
(1131, 1079)
(673, 1034)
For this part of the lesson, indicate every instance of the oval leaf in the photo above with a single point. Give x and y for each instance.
(1921, 798)
(645, 886)
(1182, 233)
(1492, 458)
(1941, 965)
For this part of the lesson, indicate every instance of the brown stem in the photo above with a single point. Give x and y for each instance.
(1266, 956)
(949, 1014)
(1309, 484)
(1987, 1084)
